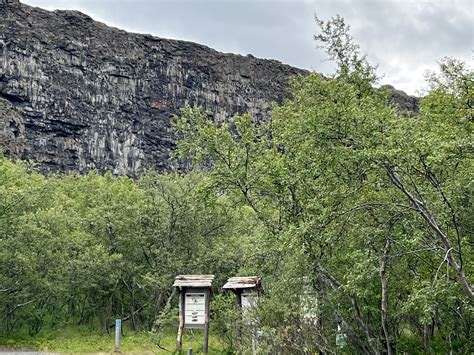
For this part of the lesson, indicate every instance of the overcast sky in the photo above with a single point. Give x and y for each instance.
(405, 37)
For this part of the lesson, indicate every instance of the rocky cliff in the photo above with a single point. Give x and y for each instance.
(77, 95)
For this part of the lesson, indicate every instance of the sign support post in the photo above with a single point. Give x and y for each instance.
(206, 325)
(179, 339)
(238, 330)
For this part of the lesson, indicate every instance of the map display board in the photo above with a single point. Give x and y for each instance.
(194, 309)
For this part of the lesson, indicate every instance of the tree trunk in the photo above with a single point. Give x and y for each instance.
(427, 215)
(384, 298)
(371, 349)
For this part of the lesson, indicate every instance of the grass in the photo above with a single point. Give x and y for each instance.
(86, 341)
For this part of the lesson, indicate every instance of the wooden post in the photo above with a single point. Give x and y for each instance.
(179, 339)
(238, 330)
(254, 342)
(206, 324)
(238, 294)
(118, 334)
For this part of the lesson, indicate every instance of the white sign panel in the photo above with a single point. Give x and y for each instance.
(249, 300)
(194, 308)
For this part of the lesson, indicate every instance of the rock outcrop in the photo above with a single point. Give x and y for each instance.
(406, 104)
(80, 95)
(77, 95)
(12, 130)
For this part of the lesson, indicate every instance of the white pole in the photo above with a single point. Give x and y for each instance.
(118, 333)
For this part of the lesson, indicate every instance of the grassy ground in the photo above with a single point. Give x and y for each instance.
(80, 340)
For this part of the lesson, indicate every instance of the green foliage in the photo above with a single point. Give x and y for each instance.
(358, 218)
(371, 208)
(88, 249)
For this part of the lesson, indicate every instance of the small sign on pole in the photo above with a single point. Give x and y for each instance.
(194, 294)
(118, 333)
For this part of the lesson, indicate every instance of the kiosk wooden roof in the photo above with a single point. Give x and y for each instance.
(199, 281)
(247, 282)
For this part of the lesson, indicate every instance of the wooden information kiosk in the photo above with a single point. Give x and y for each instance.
(194, 293)
(247, 291)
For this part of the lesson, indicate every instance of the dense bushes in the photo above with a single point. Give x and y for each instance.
(87, 249)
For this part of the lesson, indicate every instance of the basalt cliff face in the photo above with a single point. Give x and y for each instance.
(77, 95)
